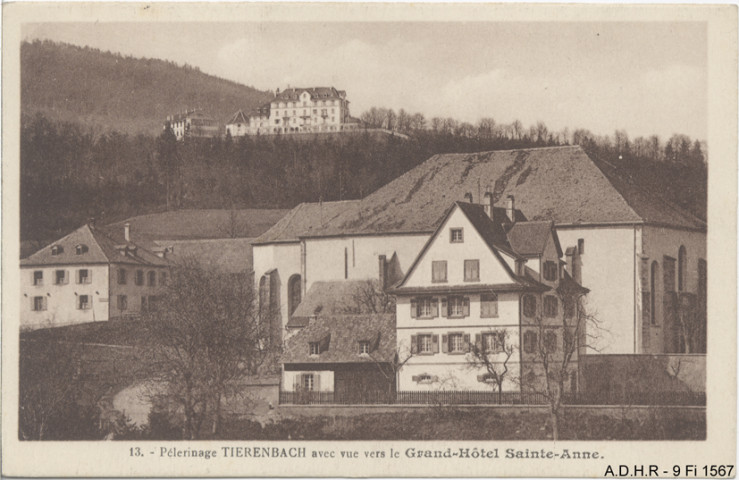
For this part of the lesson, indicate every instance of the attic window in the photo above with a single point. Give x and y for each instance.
(80, 249)
(57, 249)
(364, 347)
(456, 235)
(315, 348)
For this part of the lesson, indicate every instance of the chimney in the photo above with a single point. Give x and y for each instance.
(383, 272)
(487, 203)
(510, 208)
(468, 197)
(127, 231)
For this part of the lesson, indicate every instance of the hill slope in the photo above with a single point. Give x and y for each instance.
(110, 92)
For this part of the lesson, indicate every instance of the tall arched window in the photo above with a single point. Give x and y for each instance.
(293, 293)
(682, 268)
(653, 288)
(263, 293)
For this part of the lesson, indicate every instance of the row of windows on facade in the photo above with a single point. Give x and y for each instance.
(316, 348)
(295, 120)
(78, 249)
(668, 281)
(459, 306)
(84, 276)
(305, 104)
(472, 271)
(84, 302)
(324, 112)
(487, 343)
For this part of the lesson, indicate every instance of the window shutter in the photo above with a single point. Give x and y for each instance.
(414, 344)
(66, 277)
(466, 306)
(434, 307)
(317, 384)
(414, 308)
(44, 303)
(434, 344)
(478, 341)
(444, 307)
(33, 304)
(297, 382)
(444, 343)
(415, 378)
(435, 378)
(481, 378)
(467, 342)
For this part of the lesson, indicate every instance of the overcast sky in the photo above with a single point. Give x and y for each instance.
(642, 77)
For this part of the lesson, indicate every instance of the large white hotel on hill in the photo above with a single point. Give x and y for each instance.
(296, 110)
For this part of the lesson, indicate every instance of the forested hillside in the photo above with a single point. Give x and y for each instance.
(108, 91)
(68, 174)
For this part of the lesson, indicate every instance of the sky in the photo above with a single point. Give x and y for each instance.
(642, 77)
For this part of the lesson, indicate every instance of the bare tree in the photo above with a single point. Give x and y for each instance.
(370, 298)
(559, 341)
(691, 323)
(491, 352)
(391, 369)
(232, 227)
(205, 334)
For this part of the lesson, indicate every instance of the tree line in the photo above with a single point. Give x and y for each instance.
(70, 173)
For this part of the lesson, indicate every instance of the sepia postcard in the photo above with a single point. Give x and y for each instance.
(369, 240)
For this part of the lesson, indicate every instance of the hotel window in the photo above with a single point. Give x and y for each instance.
(550, 271)
(456, 343)
(456, 235)
(152, 278)
(364, 347)
(493, 342)
(424, 307)
(139, 277)
(60, 277)
(38, 277)
(458, 307)
(83, 302)
(39, 304)
(83, 276)
(488, 305)
(438, 271)
(425, 344)
(472, 270)
(529, 305)
(550, 306)
(122, 302)
(121, 276)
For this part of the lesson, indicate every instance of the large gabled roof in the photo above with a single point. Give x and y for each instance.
(494, 237)
(238, 117)
(561, 184)
(339, 336)
(304, 220)
(102, 247)
(320, 93)
(336, 297)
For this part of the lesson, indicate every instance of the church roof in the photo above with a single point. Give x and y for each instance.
(303, 220)
(561, 184)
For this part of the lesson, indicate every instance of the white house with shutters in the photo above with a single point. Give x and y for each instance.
(482, 277)
(90, 275)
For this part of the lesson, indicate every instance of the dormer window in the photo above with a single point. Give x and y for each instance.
(315, 348)
(364, 347)
(57, 249)
(550, 271)
(80, 249)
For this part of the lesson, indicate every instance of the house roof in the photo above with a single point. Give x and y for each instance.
(303, 220)
(226, 255)
(331, 298)
(238, 117)
(201, 224)
(495, 238)
(340, 336)
(102, 247)
(530, 238)
(561, 184)
(322, 93)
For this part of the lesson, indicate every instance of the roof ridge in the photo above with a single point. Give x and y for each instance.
(553, 147)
